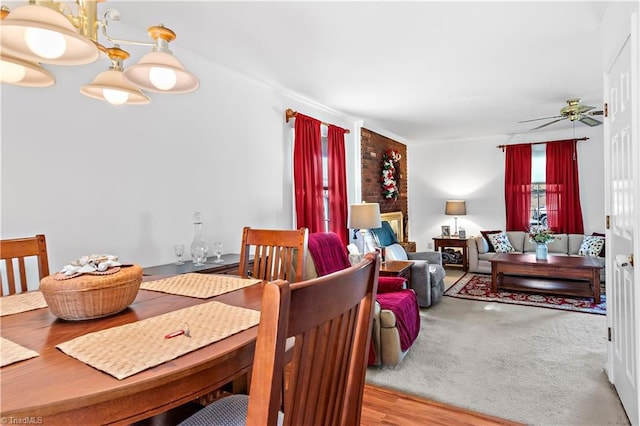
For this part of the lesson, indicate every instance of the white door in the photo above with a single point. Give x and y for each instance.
(623, 181)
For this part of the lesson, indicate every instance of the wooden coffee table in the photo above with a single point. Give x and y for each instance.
(566, 275)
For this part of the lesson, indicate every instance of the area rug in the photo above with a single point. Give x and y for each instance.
(478, 287)
(537, 366)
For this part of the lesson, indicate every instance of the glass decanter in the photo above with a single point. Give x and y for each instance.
(199, 247)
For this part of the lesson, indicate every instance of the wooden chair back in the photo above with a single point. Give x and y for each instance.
(19, 249)
(278, 254)
(331, 318)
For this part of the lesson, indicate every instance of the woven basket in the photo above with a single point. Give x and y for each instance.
(92, 296)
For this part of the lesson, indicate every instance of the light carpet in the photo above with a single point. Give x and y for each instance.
(533, 365)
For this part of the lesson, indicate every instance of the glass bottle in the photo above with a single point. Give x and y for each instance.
(199, 247)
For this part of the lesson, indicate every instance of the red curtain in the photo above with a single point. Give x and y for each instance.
(307, 174)
(517, 187)
(564, 212)
(337, 184)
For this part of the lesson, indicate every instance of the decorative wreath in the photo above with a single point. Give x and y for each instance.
(389, 180)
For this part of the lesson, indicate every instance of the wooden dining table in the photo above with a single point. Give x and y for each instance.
(54, 388)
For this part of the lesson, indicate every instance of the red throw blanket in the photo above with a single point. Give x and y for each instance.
(329, 255)
(404, 305)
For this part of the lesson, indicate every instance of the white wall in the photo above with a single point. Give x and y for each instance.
(95, 178)
(473, 170)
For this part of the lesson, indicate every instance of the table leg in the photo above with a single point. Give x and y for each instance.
(595, 282)
(494, 279)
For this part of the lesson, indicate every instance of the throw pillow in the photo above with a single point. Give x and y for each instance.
(597, 234)
(501, 243)
(486, 234)
(591, 246)
(384, 235)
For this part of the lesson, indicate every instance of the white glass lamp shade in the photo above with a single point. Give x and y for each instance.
(364, 216)
(22, 73)
(161, 72)
(110, 86)
(40, 34)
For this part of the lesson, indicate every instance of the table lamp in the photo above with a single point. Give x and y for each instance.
(362, 217)
(455, 208)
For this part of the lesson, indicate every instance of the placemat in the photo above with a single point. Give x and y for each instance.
(21, 302)
(129, 349)
(202, 286)
(11, 352)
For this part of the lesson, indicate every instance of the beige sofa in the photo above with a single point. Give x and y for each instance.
(564, 244)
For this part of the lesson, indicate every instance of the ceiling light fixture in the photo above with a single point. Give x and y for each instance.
(111, 86)
(46, 31)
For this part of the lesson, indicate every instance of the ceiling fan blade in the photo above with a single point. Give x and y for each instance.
(543, 118)
(590, 121)
(549, 123)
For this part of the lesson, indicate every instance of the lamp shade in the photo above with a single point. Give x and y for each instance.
(109, 85)
(165, 66)
(41, 34)
(364, 216)
(23, 73)
(455, 208)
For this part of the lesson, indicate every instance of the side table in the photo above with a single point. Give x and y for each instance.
(397, 268)
(439, 243)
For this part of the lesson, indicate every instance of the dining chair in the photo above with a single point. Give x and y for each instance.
(274, 253)
(330, 317)
(18, 249)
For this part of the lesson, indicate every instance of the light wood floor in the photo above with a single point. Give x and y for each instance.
(386, 407)
(380, 406)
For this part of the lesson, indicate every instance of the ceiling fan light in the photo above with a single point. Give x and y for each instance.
(27, 32)
(590, 121)
(140, 74)
(110, 86)
(22, 73)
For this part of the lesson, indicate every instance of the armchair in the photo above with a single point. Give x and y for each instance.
(427, 273)
(396, 320)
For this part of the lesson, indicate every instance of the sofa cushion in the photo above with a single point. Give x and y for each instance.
(591, 246)
(482, 244)
(486, 234)
(501, 243)
(384, 235)
(395, 252)
(560, 244)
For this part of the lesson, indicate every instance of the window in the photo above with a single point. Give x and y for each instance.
(325, 175)
(538, 186)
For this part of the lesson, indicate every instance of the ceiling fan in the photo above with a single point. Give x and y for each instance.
(574, 111)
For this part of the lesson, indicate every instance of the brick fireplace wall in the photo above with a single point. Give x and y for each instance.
(372, 147)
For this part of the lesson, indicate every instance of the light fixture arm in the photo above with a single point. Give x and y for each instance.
(114, 15)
